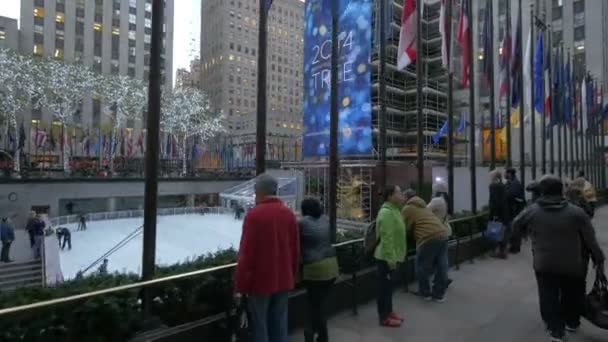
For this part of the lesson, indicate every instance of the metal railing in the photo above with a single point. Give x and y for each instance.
(353, 264)
(114, 249)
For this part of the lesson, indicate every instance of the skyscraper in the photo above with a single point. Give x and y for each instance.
(9, 33)
(229, 42)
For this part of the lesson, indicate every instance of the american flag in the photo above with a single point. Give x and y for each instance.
(407, 37)
(463, 39)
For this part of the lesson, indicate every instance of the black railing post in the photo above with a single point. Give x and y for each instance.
(420, 139)
(152, 157)
(333, 125)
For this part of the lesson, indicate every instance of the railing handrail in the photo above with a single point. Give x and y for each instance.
(114, 249)
(148, 283)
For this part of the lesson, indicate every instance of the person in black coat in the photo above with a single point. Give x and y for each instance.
(65, 235)
(498, 209)
(516, 203)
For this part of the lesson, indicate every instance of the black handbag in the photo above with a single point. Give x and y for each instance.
(596, 306)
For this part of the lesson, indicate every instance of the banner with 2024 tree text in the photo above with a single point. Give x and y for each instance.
(354, 77)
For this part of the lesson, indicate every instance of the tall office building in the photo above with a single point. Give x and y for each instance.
(9, 33)
(229, 43)
(109, 36)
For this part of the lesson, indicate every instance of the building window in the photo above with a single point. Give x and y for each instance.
(97, 43)
(59, 42)
(579, 6)
(115, 47)
(79, 28)
(60, 6)
(132, 10)
(39, 3)
(38, 38)
(579, 33)
(557, 13)
(132, 72)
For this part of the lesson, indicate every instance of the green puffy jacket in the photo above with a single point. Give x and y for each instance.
(390, 230)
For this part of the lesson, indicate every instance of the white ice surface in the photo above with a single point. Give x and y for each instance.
(178, 238)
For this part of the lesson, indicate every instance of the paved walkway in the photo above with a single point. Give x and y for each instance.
(489, 301)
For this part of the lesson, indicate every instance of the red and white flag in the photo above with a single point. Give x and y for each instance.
(407, 38)
(444, 28)
(464, 24)
(40, 138)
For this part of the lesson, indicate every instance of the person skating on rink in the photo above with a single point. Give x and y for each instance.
(82, 223)
(64, 234)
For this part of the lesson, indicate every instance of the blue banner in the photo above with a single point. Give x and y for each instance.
(354, 69)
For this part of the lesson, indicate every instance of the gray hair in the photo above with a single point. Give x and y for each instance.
(409, 193)
(266, 184)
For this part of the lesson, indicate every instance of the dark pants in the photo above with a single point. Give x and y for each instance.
(432, 259)
(32, 240)
(562, 300)
(385, 287)
(317, 293)
(6, 247)
(67, 240)
(269, 317)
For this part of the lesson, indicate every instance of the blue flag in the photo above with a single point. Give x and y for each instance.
(567, 95)
(268, 5)
(515, 66)
(462, 125)
(443, 131)
(539, 88)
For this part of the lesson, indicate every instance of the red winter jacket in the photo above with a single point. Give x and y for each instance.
(270, 250)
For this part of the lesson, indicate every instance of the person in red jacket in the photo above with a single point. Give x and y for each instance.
(268, 261)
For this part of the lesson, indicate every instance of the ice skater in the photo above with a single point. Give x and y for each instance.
(64, 234)
(82, 223)
(103, 268)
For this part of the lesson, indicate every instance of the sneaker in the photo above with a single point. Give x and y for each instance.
(572, 329)
(427, 298)
(390, 323)
(439, 300)
(557, 337)
(395, 316)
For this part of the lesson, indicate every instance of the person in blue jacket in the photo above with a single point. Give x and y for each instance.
(7, 235)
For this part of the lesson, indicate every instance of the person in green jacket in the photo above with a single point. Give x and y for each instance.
(390, 251)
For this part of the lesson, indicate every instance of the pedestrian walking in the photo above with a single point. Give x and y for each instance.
(499, 212)
(390, 251)
(431, 237)
(268, 261)
(516, 202)
(562, 239)
(320, 267)
(7, 234)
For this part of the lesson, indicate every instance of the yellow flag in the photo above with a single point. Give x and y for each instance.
(515, 117)
(503, 135)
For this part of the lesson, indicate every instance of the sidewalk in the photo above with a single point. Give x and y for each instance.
(489, 301)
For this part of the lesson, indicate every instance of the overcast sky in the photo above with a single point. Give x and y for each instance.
(186, 36)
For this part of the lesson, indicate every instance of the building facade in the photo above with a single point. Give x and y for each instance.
(229, 43)
(9, 33)
(190, 78)
(112, 37)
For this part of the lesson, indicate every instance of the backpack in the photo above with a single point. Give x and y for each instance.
(370, 241)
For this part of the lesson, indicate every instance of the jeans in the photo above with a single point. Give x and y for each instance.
(317, 292)
(38, 240)
(385, 287)
(269, 317)
(67, 240)
(432, 259)
(6, 247)
(562, 300)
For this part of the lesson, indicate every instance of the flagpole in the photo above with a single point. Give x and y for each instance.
(472, 71)
(563, 110)
(577, 160)
(543, 118)
(560, 117)
(419, 115)
(333, 129)
(532, 104)
(382, 99)
(588, 128)
(602, 144)
(450, 142)
(260, 161)
(508, 78)
(581, 133)
(522, 131)
(572, 120)
(551, 101)
(492, 88)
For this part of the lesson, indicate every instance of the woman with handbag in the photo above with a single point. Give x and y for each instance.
(498, 211)
(320, 266)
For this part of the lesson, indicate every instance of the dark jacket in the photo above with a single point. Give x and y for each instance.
(516, 198)
(38, 227)
(498, 202)
(7, 232)
(269, 254)
(315, 239)
(561, 234)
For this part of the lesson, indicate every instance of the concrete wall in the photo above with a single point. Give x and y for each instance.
(50, 193)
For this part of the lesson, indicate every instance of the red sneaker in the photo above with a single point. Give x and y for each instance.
(395, 316)
(391, 323)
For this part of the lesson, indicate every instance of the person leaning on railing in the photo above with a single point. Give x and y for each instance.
(319, 266)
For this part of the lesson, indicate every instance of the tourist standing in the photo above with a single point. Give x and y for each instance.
(499, 211)
(390, 252)
(82, 223)
(320, 266)
(38, 231)
(431, 237)
(7, 233)
(562, 235)
(516, 202)
(29, 227)
(268, 261)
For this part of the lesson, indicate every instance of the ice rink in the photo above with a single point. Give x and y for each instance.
(178, 238)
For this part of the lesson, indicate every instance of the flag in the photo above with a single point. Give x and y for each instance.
(505, 59)
(407, 38)
(528, 77)
(539, 70)
(86, 146)
(487, 61)
(444, 28)
(22, 137)
(463, 38)
(130, 145)
(195, 151)
(567, 94)
(547, 84)
(52, 142)
(40, 138)
(515, 64)
(386, 25)
(462, 125)
(11, 141)
(140, 143)
(268, 5)
(443, 131)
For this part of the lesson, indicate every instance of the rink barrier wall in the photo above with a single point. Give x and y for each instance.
(355, 286)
